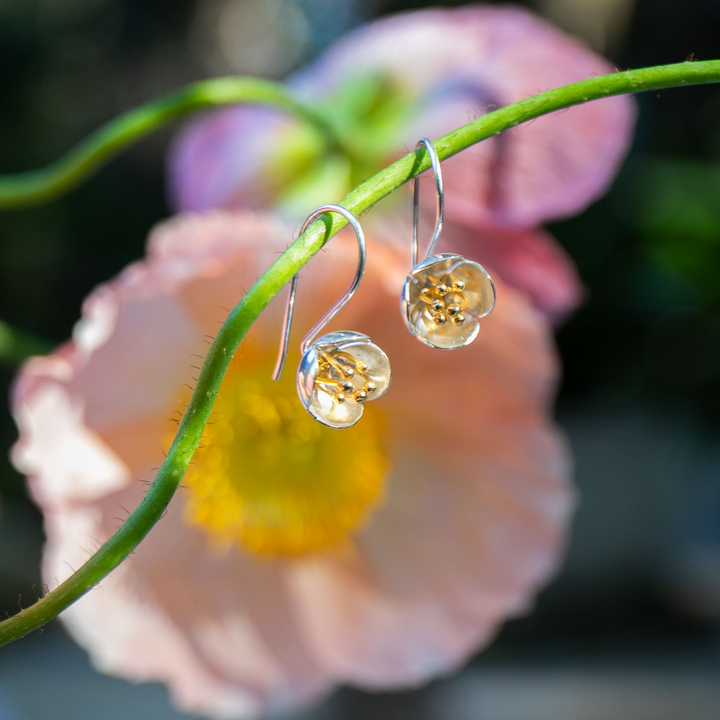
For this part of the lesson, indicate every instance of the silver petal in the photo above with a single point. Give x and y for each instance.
(479, 292)
(320, 403)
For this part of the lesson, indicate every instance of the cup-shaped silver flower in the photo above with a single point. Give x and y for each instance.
(443, 299)
(338, 374)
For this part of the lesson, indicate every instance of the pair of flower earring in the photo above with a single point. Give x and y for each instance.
(443, 298)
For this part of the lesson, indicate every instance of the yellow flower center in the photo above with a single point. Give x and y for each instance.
(276, 482)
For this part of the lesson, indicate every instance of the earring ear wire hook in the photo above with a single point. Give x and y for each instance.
(339, 305)
(435, 163)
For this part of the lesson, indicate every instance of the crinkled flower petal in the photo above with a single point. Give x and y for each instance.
(463, 63)
(241, 157)
(471, 521)
(455, 64)
(448, 66)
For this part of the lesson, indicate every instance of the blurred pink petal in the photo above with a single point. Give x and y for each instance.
(473, 519)
(454, 65)
(240, 158)
(475, 510)
(530, 260)
(459, 64)
(447, 66)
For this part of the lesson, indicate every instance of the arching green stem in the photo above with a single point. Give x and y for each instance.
(38, 186)
(126, 539)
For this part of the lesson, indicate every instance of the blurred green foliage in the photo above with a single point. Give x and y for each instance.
(677, 215)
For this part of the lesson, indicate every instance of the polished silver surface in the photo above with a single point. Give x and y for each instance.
(478, 289)
(315, 397)
(287, 322)
(435, 164)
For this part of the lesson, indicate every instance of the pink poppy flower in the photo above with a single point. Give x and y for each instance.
(295, 557)
(418, 74)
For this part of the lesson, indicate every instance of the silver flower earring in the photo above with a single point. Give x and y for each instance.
(445, 295)
(339, 371)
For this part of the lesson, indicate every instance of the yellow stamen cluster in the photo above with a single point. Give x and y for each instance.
(274, 481)
(339, 373)
(445, 298)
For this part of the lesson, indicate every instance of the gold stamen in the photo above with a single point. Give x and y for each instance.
(347, 367)
(446, 299)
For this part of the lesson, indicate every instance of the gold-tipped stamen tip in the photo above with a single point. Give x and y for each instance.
(458, 286)
(340, 398)
(459, 319)
(453, 310)
(441, 289)
(440, 319)
(370, 387)
(438, 305)
(360, 396)
(347, 386)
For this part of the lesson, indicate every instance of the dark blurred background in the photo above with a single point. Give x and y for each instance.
(630, 629)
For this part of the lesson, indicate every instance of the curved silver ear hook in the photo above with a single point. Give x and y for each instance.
(444, 296)
(339, 305)
(435, 162)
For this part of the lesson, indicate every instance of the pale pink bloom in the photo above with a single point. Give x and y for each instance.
(380, 556)
(446, 66)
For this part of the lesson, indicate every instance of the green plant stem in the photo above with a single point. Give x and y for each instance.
(191, 428)
(38, 186)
